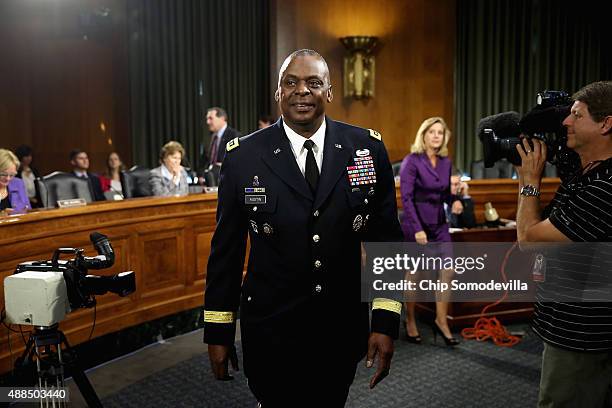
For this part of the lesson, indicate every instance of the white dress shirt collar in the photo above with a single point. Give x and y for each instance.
(298, 149)
(220, 133)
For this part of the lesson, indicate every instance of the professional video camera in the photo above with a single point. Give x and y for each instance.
(501, 133)
(41, 293)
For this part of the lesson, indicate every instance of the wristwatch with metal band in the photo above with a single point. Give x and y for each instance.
(530, 191)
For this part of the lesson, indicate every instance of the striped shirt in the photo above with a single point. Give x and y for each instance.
(581, 210)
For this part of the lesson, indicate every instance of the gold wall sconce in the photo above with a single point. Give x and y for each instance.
(359, 66)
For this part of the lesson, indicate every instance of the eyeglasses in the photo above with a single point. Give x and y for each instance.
(8, 175)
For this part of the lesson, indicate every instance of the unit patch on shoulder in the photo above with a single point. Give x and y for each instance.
(375, 134)
(232, 144)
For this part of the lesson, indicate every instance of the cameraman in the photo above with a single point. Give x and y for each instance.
(577, 358)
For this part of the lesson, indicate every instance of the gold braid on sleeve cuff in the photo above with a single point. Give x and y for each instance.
(387, 304)
(218, 317)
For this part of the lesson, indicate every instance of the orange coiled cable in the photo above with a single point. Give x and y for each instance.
(489, 327)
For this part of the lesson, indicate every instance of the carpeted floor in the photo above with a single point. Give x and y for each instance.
(473, 374)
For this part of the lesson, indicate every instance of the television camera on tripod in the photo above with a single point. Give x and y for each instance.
(41, 293)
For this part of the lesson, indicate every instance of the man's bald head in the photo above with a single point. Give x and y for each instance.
(303, 53)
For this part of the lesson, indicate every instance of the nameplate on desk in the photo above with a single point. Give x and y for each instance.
(72, 202)
(211, 189)
(196, 189)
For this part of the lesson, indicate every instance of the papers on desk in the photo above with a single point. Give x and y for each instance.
(452, 230)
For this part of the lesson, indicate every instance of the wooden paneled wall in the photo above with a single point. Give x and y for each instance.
(64, 69)
(64, 79)
(414, 62)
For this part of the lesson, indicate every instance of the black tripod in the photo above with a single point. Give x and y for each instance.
(52, 362)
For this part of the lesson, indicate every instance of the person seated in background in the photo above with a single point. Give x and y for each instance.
(170, 179)
(460, 217)
(110, 181)
(13, 196)
(264, 121)
(26, 172)
(80, 168)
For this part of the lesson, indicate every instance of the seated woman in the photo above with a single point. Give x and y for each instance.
(13, 196)
(170, 179)
(27, 173)
(110, 181)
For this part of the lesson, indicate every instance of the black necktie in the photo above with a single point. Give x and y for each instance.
(312, 170)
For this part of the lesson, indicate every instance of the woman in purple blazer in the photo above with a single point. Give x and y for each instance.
(13, 196)
(425, 187)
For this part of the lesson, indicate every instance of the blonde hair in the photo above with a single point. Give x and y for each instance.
(419, 142)
(170, 148)
(7, 158)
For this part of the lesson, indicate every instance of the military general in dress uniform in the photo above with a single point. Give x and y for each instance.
(308, 191)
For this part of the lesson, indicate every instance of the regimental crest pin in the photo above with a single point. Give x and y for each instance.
(255, 181)
(357, 223)
(277, 151)
(362, 153)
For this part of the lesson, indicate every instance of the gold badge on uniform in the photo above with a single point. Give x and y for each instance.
(232, 144)
(375, 134)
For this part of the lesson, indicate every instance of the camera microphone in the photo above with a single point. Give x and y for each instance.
(499, 135)
(505, 125)
(544, 119)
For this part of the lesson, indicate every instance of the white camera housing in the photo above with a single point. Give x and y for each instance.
(36, 298)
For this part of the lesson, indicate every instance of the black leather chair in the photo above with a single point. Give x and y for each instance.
(210, 178)
(396, 168)
(501, 169)
(135, 182)
(62, 186)
(550, 170)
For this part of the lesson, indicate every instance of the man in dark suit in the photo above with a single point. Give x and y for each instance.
(221, 133)
(80, 166)
(294, 188)
(460, 217)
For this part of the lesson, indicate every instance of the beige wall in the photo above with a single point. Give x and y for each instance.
(414, 61)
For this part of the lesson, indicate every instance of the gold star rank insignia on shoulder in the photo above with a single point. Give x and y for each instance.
(232, 144)
(375, 134)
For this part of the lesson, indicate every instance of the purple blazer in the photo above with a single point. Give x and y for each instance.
(424, 191)
(18, 196)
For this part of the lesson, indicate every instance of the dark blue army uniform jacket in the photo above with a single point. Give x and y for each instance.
(303, 276)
